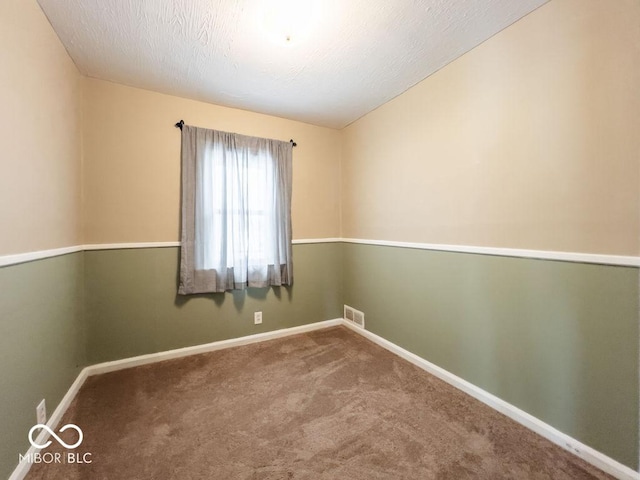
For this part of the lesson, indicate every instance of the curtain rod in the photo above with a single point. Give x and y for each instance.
(180, 124)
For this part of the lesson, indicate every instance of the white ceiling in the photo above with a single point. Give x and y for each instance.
(345, 58)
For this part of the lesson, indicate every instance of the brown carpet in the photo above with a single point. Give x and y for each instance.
(323, 405)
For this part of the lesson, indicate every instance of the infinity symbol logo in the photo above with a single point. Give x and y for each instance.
(52, 433)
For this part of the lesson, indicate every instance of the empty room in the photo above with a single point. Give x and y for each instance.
(319, 239)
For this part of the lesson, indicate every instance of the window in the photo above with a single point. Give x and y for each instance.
(236, 211)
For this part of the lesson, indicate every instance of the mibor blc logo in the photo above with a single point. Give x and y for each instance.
(55, 457)
(53, 434)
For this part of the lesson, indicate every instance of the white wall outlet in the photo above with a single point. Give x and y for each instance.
(41, 412)
(257, 318)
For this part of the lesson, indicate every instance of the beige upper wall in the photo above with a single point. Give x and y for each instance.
(39, 134)
(132, 163)
(528, 141)
(531, 140)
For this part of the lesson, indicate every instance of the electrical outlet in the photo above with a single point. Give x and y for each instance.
(41, 412)
(257, 318)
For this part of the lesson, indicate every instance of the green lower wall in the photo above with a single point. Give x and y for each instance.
(133, 308)
(558, 340)
(41, 344)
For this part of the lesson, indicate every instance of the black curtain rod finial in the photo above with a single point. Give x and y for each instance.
(293, 143)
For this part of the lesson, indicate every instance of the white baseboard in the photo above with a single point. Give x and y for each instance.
(595, 458)
(22, 469)
(207, 347)
(570, 444)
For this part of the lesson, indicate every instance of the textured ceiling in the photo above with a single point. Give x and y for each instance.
(344, 58)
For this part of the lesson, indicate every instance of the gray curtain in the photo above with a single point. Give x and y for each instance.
(236, 212)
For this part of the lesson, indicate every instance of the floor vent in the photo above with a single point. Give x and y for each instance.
(354, 316)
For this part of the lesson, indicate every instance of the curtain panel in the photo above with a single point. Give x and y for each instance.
(235, 212)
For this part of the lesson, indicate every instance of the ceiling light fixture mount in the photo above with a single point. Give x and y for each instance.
(288, 22)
